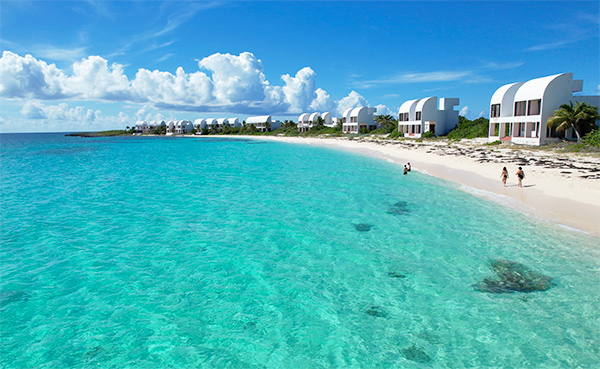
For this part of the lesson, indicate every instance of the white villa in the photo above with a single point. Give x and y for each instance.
(210, 122)
(260, 122)
(141, 126)
(416, 117)
(519, 111)
(306, 121)
(179, 127)
(356, 118)
(233, 122)
(199, 124)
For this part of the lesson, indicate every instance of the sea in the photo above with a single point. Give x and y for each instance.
(223, 252)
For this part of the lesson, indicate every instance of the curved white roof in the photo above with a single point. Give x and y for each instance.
(424, 101)
(199, 121)
(259, 119)
(221, 121)
(303, 117)
(140, 123)
(507, 91)
(232, 120)
(406, 106)
(326, 117)
(535, 88)
(211, 121)
(347, 112)
(313, 117)
(356, 111)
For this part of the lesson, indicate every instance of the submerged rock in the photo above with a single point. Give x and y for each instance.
(376, 311)
(401, 207)
(363, 227)
(514, 277)
(396, 275)
(414, 353)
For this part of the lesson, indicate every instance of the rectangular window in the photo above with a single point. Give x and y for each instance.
(344, 120)
(534, 107)
(520, 108)
(418, 117)
(495, 111)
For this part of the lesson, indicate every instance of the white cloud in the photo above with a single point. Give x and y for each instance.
(60, 112)
(353, 100)
(384, 110)
(224, 82)
(465, 111)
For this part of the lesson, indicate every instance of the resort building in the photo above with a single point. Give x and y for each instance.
(233, 122)
(306, 121)
(416, 117)
(263, 123)
(199, 124)
(519, 111)
(356, 119)
(155, 124)
(221, 122)
(179, 127)
(141, 127)
(211, 122)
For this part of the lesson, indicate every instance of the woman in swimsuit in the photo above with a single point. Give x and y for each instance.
(520, 175)
(504, 176)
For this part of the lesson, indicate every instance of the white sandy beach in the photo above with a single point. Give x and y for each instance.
(564, 189)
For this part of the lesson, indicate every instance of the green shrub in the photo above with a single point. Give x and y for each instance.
(497, 142)
(428, 134)
(592, 138)
(470, 128)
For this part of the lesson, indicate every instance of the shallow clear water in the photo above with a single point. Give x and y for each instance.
(214, 253)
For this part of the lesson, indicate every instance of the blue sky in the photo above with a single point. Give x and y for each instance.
(91, 65)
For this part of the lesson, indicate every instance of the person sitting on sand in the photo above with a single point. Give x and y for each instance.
(409, 167)
(504, 176)
(520, 175)
(405, 170)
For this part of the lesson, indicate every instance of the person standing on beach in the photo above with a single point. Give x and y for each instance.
(504, 176)
(405, 170)
(520, 175)
(408, 167)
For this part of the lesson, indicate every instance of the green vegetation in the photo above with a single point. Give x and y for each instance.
(387, 124)
(581, 117)
(116, 132)
(493, 143)
(428, 134)
(592, 138)
(470, 128)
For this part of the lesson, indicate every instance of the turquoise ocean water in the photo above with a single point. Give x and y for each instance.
(229, 253)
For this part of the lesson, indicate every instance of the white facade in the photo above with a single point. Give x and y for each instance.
(416, 117)
(303, 124)
(170, 127)
(199, 124)
(519, 111)
(263, 123)
(210, 122)
(328, 120)
(141, 126)
(182, 127)
(221, 122)
(356, 119)
(233, 122)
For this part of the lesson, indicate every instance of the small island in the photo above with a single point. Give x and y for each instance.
(114, 132)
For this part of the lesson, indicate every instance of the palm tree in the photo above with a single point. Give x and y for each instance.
(581, 117)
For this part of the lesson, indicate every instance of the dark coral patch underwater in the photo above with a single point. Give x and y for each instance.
(513, 277)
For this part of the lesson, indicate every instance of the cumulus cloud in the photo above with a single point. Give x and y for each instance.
(62, 112)
(353, 100)
(224, 82)
(384, 110)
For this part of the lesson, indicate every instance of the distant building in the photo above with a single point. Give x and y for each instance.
(303, 124)
(416, 117)
(356, 119)
(153, 125)
(141, 127)
(211, 122)
(199, 124)
(263, 123)
(181, 127)
(519, 111)
(233, 122)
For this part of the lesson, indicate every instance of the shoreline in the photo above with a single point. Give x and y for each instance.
(553, 188)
